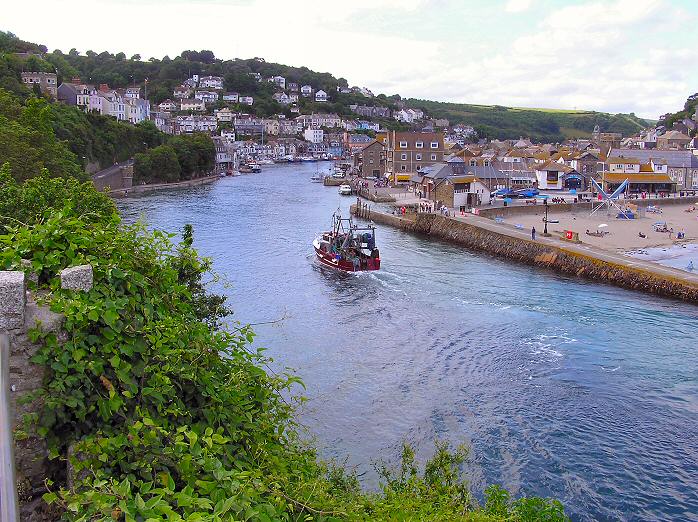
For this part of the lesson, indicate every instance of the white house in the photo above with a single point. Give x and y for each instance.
(320, 96)
(228, 135)
(206, 96)
(211, 82)
(168, 106)
(279, 81)
(183, 91)
(306, 90)
(188, 124)
(192, 104)
(133, 92)
(552, 175)
(231, 97)
(136, 110)
(282, 98)
(313, 135)
(224, 115)
(246, 100)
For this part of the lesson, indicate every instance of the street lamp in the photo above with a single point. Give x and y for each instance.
(545, 220)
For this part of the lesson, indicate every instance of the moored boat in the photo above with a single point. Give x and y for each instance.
(250, 167)
(345, 190)
(348, 247)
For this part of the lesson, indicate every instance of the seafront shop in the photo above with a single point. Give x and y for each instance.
(639, 183)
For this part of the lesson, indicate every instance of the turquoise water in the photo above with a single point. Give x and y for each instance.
(562, 388)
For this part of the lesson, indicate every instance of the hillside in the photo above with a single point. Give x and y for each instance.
(495, 121)
(163, 75)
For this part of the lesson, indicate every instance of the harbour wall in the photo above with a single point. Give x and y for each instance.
(142, 189)
(558, 258)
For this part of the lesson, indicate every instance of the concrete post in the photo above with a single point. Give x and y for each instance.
(8, 491)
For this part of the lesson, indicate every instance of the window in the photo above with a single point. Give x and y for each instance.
(403, 144)
(418, 157)
(433, 157)
(434, 144)
(419, 144)
(403, 167)
(403, 157)
(473, 163)
(486, 163)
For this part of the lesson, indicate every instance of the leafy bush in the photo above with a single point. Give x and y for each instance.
(27, 203)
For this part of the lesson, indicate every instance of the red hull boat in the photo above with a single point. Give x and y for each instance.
(348, 248)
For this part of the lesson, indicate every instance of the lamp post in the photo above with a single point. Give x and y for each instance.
(545, 220)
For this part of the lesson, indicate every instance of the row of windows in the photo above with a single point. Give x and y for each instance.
(420, 144)
(417, 157)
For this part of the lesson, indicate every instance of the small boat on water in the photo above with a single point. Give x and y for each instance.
(248, 168)
(266, 161)
(345, 190)
(348, 247)
(307, 158)
(317, 178)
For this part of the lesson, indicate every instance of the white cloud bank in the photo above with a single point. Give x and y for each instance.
(612, 55)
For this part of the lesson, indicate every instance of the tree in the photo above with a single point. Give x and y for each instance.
(136, 57)
(74, 52)
(165, 166)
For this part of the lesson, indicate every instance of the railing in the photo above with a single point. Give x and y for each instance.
(8, 491)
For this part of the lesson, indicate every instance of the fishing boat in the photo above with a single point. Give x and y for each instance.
(348, 247)
(345, 190)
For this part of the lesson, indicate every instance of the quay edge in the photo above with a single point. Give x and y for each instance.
(590, 263)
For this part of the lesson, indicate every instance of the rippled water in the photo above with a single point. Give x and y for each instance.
(563, 388)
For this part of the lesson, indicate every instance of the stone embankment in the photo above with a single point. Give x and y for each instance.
(142, 189)
(572, 260)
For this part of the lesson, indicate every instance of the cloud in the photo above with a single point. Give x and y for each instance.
(612, 55)
(518, 6)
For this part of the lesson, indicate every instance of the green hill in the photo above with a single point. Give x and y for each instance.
(163, 75)
(495, 121)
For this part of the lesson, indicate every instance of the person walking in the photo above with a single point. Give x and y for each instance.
(533, 233)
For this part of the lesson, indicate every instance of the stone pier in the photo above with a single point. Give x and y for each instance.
(482, 234)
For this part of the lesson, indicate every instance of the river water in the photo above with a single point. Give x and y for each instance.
(561, 387)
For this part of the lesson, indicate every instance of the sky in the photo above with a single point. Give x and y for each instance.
(608, 55)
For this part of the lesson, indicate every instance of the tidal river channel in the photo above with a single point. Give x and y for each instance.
(561, 387)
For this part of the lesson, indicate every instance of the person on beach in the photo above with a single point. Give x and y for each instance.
(533, 233)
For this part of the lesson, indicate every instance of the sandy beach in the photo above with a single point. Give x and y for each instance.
(623, 234)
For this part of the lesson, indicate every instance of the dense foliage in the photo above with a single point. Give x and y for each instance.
(181, 158)
(36, 134)
(164, 415)
(27, 203)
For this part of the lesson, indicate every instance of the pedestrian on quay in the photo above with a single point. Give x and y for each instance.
(533, 233)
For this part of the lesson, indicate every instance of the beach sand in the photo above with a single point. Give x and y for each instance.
(623, 234)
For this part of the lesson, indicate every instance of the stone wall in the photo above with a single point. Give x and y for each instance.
(19, 313)
(529, 252)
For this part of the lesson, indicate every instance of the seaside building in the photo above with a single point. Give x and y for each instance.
(408, 152)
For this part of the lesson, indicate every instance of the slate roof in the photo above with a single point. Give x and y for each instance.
(673, 158)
